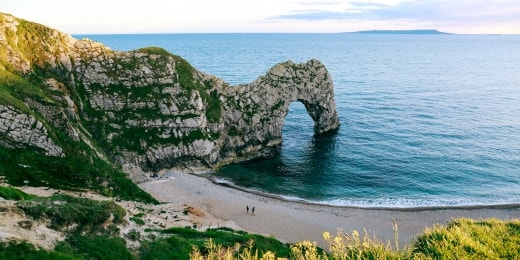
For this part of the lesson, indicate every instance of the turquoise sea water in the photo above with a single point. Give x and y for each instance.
(426, 120)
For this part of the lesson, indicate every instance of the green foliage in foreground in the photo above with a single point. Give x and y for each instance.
(460, 239)
(469, 239)
(90, 226)
(182, 241)
(74, 247)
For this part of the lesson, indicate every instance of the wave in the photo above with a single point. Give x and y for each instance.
(400, 203)
(379, 203)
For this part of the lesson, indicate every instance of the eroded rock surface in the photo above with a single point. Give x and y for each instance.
(147, 107)
(19, 129)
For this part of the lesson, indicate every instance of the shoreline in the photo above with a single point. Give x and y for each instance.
(316, 203)
(295, 221)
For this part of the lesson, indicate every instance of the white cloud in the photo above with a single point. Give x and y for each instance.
(502, 16)
(137, 16)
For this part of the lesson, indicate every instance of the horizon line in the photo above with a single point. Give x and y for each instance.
(352, 32)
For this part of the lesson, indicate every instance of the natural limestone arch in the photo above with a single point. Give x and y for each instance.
(256, 117)
(149, 108)
(311, 84)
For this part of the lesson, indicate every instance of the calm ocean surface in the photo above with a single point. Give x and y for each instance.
(426, 120)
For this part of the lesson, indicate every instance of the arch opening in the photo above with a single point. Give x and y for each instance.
(298, 125)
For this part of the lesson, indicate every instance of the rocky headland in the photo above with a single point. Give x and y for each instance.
(145, 109)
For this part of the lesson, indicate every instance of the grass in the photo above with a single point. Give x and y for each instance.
(24, 250)
(74, 172)
(88, 224)
(10, 193)
(94, 247)
(65, 211)
(155, 50)
(181, 241)
(460, 239)
(138, 220)
(212, 99)
(466, 238)
(13, 87)
(74, 247)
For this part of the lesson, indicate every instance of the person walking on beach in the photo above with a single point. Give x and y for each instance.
(253, 211)
(247, 209)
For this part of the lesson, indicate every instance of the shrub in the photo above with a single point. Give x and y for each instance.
(94, 247)
(187, 239)
(134, 235)
(25, 224)
(139, 221)
(173, 247)
(65, 211)
(24, 250)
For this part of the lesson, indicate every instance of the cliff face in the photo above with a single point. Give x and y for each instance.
(147, 107)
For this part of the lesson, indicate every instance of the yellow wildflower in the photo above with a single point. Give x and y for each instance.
(355, 234)
(326, 235)
(269, 256)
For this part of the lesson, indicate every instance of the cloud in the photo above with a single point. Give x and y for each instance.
(133, 16)
(420, 10)
(354, 10)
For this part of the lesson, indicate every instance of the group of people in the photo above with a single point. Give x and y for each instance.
(252, 210)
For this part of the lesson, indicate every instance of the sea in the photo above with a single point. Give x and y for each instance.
(426, 120)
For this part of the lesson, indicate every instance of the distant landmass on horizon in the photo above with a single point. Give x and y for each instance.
(418, 31)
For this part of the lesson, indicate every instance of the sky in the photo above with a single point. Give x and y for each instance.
(269, 16)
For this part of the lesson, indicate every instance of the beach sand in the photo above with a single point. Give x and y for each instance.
(297, 221)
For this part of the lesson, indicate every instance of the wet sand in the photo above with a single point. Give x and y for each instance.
(292, 222)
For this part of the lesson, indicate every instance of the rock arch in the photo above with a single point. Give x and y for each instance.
(255, 114)
(152, 109)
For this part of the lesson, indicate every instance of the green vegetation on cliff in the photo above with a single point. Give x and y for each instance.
(81, 167)
(75, 172)
(143, 116)
(14, 88)
(210, 97)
